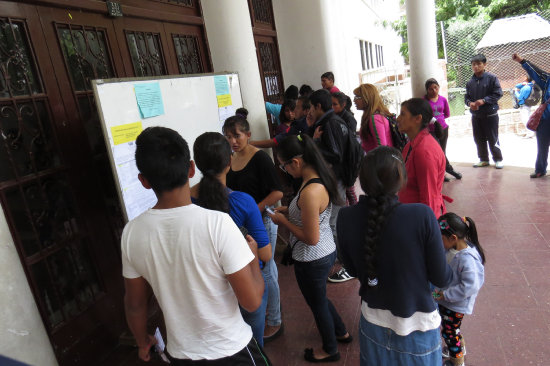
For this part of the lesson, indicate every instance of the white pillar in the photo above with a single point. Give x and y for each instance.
(24, 337)
(422, 43)
(232, 48)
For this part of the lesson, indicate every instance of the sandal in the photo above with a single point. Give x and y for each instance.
(310, 357)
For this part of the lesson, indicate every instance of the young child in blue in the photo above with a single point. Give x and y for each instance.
(466, 258)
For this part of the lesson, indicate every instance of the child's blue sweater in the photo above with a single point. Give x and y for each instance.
(468, 276)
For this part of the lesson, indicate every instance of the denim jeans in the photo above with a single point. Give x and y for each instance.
(543, 141)
(334, 214)
(382, 346)
(312, 280)
(256, 319)
(271, 276)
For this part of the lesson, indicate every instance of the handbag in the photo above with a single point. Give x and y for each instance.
(534, 120)
(287, 259)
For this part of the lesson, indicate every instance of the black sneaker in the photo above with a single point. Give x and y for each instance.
(341, 276)
(537, 175)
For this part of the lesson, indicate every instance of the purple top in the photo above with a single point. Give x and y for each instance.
(440, 110)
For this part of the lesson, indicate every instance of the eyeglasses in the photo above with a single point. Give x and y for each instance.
(357, 97)
(285, 163)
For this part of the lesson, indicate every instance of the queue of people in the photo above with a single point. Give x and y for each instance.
(208, 251)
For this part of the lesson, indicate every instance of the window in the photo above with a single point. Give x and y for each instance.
(372, 55)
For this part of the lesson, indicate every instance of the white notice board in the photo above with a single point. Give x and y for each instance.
(189, 104)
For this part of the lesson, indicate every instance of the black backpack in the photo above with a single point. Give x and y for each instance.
(351, 159)
(534, 97)
(398, 139)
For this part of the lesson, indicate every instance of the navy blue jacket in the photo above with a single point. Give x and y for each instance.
(410, 256)
(543, 80)
(486, 87)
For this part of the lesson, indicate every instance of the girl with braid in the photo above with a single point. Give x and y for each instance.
(466, 258)
(396, 251)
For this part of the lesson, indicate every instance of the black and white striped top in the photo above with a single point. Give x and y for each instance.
(306, 253)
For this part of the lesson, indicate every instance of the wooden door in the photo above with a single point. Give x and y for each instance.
(56, 184)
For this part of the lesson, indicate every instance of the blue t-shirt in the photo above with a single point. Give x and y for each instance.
(274, 110)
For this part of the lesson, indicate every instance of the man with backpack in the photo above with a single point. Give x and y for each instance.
(527, 94)
(340, 149)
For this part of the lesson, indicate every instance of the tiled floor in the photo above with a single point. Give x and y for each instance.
(511, 318)
(512, 314)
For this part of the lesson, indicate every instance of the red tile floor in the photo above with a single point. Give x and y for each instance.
(512, 313)
(511, 318)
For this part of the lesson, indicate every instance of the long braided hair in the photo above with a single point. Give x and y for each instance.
(382, 175)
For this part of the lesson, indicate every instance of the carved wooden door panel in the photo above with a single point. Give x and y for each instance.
(50, 175)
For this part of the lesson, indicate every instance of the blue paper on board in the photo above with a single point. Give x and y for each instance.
(221, 84)
(149, 99)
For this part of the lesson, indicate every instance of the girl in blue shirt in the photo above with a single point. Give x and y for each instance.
(212, 155)
(466, 258)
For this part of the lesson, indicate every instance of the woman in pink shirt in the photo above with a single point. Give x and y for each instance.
(375, 127)
(441, 111)
(424, 159)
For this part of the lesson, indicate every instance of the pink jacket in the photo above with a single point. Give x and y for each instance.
(382, 135)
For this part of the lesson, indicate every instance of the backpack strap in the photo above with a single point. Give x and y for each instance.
(375, 131)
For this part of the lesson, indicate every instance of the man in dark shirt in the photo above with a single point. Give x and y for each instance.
(482, 94)
(330, 133)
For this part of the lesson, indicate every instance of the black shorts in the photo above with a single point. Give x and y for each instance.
(252, 354)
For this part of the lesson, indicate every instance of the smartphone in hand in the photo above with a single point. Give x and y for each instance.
(270, 211)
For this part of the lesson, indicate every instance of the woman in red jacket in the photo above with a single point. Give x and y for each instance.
(424, 159)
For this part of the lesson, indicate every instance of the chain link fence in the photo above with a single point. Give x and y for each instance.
(528, 35)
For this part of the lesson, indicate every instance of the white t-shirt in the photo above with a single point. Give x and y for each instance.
(185, 254)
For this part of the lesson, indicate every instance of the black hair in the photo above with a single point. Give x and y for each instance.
(306, 104)
(419, 106)
(291, 92)
(478, 58)
(328, 75)
(288, 103)
(163, 158)
(243, 112)
(322, 97)
(382, 175)
(212, 155)
(304, 145)
(463, 227)
(343, 100)
(430, 82)
(305, 90)
(529, 79)
(235, 122)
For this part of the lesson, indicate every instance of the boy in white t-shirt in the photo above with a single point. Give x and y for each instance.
(196, 260)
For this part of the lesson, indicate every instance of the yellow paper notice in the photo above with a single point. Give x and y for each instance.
(224, 100)
(126, 133)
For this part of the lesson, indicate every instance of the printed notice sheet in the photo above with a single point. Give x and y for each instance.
(149, 99)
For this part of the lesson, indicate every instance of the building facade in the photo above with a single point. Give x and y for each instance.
(61, 286)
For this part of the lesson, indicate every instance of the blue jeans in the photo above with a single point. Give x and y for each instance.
(543, 141)
(271, 276)
(382, 346)
(256, 319)
(312, 280)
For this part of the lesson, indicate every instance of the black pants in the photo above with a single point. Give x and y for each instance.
(252, 354)
(443, 143)
(485, 130)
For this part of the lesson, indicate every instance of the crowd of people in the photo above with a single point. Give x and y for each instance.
(208, 251)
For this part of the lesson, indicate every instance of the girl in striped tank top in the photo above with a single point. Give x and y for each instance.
(313, 247)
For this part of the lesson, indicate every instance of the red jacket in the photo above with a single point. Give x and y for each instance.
(425, 173)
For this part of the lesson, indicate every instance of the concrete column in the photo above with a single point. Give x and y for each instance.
(24, 337)
(422, 43)
(231, 43)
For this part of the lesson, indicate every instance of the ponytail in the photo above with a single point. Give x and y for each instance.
(212, 155)
(463, 228)
(304, 145)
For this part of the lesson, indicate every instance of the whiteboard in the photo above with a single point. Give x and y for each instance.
(188, 104)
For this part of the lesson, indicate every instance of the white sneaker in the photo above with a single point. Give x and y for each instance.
(499, 164)
(481, 164)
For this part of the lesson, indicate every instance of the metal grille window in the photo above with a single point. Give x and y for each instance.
(263, 12)
(146, 53)
(271, 73)
(86, 55)
(187, 52)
